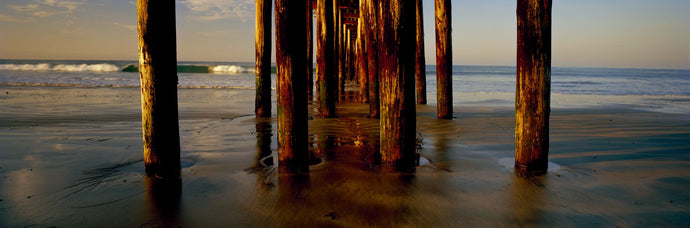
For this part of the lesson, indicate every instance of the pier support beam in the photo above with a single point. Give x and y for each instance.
(346, 60)
(325, 57)
(372, 17)
(291, 57)
(350, 47)
(533, 89)
(262, 40)
(339, 47)
(310, 48)
(397, 61)
(444, 59)
(362, 66)
(420, 63)
(158, 76)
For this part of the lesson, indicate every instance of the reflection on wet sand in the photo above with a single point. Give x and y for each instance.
(333, 196)
(618, 167)
(346, 185)
(263, 164)
(163, 201)
(526, 198)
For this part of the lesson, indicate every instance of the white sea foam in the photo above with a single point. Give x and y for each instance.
(229, 69)
(42, 66)
(103, 67)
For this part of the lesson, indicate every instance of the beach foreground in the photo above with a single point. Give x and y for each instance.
(73, 157)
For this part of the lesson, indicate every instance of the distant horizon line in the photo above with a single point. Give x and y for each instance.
(274, 64)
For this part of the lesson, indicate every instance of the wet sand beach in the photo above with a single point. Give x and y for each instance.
(73, 157)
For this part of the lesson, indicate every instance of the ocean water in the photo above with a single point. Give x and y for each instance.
(70, 153)
(665, 90)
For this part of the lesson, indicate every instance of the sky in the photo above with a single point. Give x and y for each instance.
(586, 33)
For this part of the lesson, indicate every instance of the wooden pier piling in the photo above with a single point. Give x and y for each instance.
(420, 62)
(317, 34)
(351, 57)
(372, 19)
(362, 66)
(347, 59)
(533, 89)
(291, 57)
(158, 76)
(444, 59)
(325, 57)
(262, 40)
(398, 111)
(310, 48)
(340, 53)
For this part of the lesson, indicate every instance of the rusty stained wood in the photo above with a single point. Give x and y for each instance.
(346, 58)
(361, 51)
(310, 49)
(317, 33)
(371, 15)
(262, 40)
(291, 57)
(444, 59)
(350, 47)
(158, 76)
(341, 54)
(337, 42)
(533, 89)
(397, 79)
(326, 58)
(352, 14)
(420, 62)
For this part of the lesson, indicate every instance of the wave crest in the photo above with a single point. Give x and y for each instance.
(229, 69)
(103, 67)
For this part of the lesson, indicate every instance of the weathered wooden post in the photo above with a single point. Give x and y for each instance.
(346, 58)
(444, 59)
(262, 40)
(349, 66)
(263, 143)
(158, 76)
(420, 63)
(398, 111)
(372, 17)
(363, 71)
(341, 54)
(291, 57)
(353, 52)
(325, 58)
(337, 22)
(310, 49)
(317, 34)
(533, 89)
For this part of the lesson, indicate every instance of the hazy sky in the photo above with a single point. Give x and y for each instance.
(595, 33)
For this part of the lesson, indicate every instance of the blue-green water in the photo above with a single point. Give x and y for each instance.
(669, 87)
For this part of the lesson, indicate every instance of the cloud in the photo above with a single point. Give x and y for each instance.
(208, 10)
(9, 18)
(24, 8)
(40, 9)
(128, 27)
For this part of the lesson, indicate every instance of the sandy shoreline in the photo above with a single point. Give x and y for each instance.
(72, 157)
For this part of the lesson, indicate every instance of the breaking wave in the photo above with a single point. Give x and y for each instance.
(230, 69)
(103, 67)
(37, 84)
(134, 68)
(215, 69)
